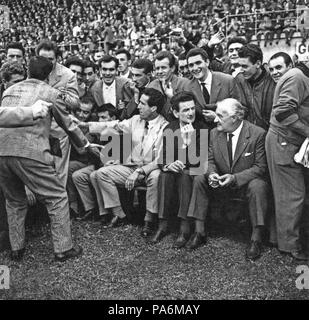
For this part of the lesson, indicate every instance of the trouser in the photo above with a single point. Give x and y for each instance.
(109, 177)
(81, 179)
(44, 182)
(289, 181)
(255, 192)
(74, 166)
(62, 163)
(3, 224)
(169, 182)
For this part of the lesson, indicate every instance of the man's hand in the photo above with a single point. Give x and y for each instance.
(209, 115)
(217, 38)
(226, 180)
(74, 119)
(83, 125)
(40, 109)
(31, 199)
(176, 166)
(213, 180)
(131, 180)
(121, 105)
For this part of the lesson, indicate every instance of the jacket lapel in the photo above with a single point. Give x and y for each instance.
(98, 93)
(195, 87)
(222, 142)
(242, 142)
(215, 89)
(118, 91)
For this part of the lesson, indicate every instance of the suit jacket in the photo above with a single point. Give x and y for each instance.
(16, 117)
(133, 128)
(223, 86)
(33, 142)
(63, 77)
(178, 84)
(97, 91)
(249, 160)
(178, 141)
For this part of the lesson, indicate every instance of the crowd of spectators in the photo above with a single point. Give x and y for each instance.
(91, 27)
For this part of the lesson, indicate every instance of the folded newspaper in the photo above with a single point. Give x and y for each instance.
(302, 156)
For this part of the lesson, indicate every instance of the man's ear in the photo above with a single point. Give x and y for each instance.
(176, 113)
(259, 64)
(173, 69)
(154, 109)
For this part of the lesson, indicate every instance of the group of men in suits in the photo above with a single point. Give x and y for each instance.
(161, 124)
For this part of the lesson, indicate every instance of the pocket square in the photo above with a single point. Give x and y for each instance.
(247, 154)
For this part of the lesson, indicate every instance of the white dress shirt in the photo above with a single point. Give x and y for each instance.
(208, 82)
(235, 137)
(109, 93)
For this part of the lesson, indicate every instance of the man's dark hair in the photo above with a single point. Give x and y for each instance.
(197, 51)
(287, 59)
(107, 58)
(39, 68)
(251, 51)
(166, 54)
(9, 68)
(144, 64)
(112, 111)
(236, 40)
(181, 97)
(126, 52)
(182, 56)
(156, 98)
(16, 45)
(87, 99)
(90, 64)
(76, 61)
(48, 46)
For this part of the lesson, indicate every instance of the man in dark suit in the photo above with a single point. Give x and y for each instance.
(236, 168)
(183, 138)
(111, 88)
(25, 159)
(208, 87)
(166, 81)
(141, 77)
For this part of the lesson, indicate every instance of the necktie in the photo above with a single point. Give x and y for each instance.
(144, 135)
(205, 93)
(229, 148)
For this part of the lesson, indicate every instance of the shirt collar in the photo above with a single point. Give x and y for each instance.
(236, 132)
(153, 122)
(208, 80)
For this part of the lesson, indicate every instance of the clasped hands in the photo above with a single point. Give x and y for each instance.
(132, 179)
(216, 181)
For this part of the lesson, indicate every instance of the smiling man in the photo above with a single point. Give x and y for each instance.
(208, 87)
(124, 58)
(279, 64)
(256, 86)
(236, 168)
(141, 77)
(166, 81)
(111, 88)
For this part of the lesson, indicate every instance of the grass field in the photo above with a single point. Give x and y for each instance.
(119, 264)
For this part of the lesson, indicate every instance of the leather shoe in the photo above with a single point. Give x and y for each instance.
(86, 216)
(181, 240)
(17, 255)
(299, 255)
(105, 219)
(160, 234)
(147, 229)
(72, 253)
(254, 250)
(117, 222)
(196, 240)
